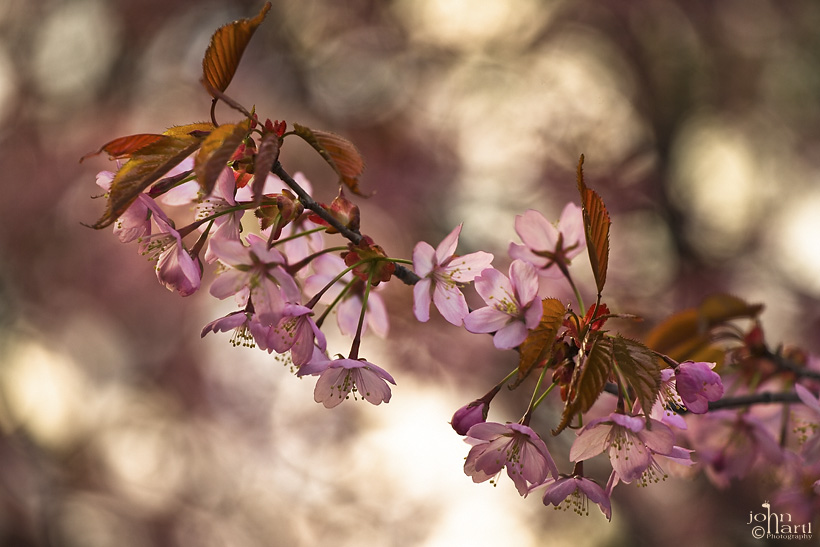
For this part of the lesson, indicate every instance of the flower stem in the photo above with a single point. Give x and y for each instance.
(575, 290)
(354, 348)
(335, 280)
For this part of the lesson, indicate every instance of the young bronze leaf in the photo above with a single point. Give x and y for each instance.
(588, 379)
(719, 308)
(216, 150)
(145, 167)
(596, 228)
(123, 147)
(338, 152)
(266, 156)
(536, 350)
(640, 368)
(198, 130)
(226, 47)
(686, 335)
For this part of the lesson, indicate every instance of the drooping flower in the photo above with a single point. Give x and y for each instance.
(576, 492)
(514, 446)
(512, 304)
(545, 245)
(630, 444)
(697, 384)
(441, 271)
(257, 270)
(339, 377)
(175, 268)
(296, 331)
(135, 222)
(225, 225)
(239, 322)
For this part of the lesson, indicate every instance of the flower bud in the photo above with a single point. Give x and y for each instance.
(469, 415)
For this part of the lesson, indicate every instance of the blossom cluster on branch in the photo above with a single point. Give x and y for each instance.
(696, 395)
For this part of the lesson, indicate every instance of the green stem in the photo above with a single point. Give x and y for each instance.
(332, 282)
(543, 395)
(354, 348)
(332, 305)
(293, 268)
(575, 290)
(302, 234)
(533, 403)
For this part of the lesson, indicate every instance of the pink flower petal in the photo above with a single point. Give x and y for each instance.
(377, 316)
(510, 335)
(535, 231)
(421, 300)
(590, 442)
(628, 458)
(524, 280)
(486, 319)
(466, 268)
(448, 245)
(328, 387)
(423, 259)
(493, 286)
(371, 386)
(450, 303)
(808, 399)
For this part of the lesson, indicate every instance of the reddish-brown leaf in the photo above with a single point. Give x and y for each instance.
(145, 167)
(123, 147)
(640, 368)
(226, 48)
(588, 379)
(596, 228)
(686, 335)
(338, 152)
(265, 158)
(216, 150)
(537, 349)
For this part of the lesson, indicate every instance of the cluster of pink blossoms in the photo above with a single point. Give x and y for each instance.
(281, 277)
(635, 447)
(276, 279)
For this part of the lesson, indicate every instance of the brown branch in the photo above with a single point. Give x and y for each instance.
(354, 236)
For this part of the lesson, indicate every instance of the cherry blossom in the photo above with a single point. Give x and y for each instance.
(729, 443)
(546, 245)
(135, 222)
(514, 446)
(239, 322)
(225, 225)
(339, 377)
(441, 271)
(175, 268)
(697, 384)
(630, 444)
(576, 492)
(512, 304)
(296, 331)
(257, 270)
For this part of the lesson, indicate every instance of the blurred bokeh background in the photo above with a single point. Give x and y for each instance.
(700, 122)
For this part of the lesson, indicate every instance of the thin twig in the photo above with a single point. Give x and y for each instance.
(354, 236)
